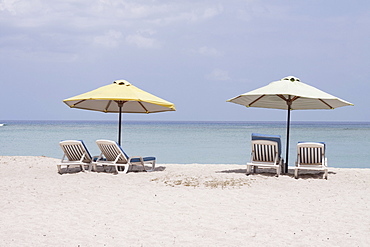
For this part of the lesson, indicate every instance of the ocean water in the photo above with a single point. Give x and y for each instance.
(348, 143)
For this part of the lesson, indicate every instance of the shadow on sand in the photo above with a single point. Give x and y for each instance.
(134, 168)
(271, 173)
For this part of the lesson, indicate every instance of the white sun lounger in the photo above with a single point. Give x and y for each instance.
(76, 153)
(311, 156)
(265, 153)
(113, 155)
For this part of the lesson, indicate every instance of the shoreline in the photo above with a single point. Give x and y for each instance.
(180, 205)
(131, 121)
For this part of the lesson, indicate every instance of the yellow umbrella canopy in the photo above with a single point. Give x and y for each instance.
(120, 97)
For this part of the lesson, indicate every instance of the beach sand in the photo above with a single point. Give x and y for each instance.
(180, 205)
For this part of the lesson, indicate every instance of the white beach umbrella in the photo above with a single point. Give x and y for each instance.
(289, 94)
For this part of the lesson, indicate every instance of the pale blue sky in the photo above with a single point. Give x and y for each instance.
(196, 54)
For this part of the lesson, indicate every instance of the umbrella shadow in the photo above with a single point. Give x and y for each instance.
(272, 173)
(136, 169)
(263, 172)
(159, 169)
(308, 174)
(71, 170)
(147, 168)
(133, 169)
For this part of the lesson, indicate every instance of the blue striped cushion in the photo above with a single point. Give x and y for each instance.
(134, 160)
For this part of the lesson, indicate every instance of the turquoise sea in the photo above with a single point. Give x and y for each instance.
(348, 143)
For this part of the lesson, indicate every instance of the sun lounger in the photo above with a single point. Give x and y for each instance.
(76, 153)
(113, 155)
(266, 153)
(311, 156)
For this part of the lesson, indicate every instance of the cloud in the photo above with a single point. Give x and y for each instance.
(141, 41)
(188, 13)
(8, 5)
(106, 23)
(212, 11)
(111, 39)
(218, 75)
(208, 51)
(15, 6)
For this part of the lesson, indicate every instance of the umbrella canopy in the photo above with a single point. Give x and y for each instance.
(108, 99)
(120, 97)
(289, 94)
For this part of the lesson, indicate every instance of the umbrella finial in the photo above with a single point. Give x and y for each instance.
(291, 78)
(122, 82)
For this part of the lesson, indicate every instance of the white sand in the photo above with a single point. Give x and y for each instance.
(180, 205)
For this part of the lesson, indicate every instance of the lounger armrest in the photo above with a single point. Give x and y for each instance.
(326, 162)
(83, 157)
(117, 158)
(64, 155)
(277, 159)
(97, 158)
(251, 160)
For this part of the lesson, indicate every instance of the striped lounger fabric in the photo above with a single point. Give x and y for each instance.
(311, 156)
(266, 152)
(76, 153)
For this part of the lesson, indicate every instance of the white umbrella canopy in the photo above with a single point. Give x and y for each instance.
(276, 96)
(289, 94)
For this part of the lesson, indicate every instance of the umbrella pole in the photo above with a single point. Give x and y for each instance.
(287, 137)
(119, 122)
(119, 126)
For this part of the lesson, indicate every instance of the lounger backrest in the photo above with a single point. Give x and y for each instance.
(310, 153)
(74, 150)
(264, 151)
(275, 138)
(110, 150)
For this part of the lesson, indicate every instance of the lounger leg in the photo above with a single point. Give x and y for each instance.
(278, 171)
(143, 165)
(153, 167)
(116, 168)
(248, 169)
(59, 169)
(127, 166)
(281, 164)
(326, 174)
(296, 173)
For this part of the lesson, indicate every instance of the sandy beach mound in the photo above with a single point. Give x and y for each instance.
(180, 205)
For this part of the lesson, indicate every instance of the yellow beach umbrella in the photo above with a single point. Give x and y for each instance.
(120, 97)
(289, 94)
